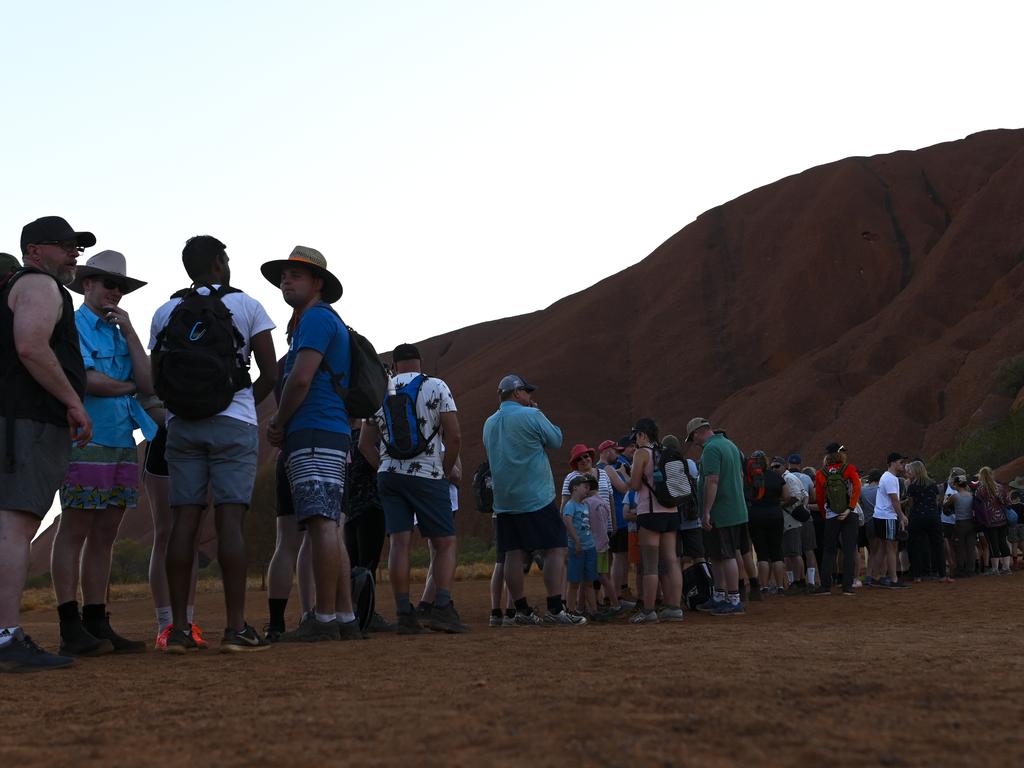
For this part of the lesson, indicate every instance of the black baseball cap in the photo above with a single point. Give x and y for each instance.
(53, 229)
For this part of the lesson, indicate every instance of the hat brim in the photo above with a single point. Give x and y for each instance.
(85, 272)
(86, 240)
(574, 460)
(332, 290)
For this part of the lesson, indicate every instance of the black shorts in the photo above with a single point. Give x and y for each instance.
(949, 531)
(156, 460)
(885, 530)
(766, 531)
(618, 542)
(690, 544)
(862, 537)
(659, 522)
(721, 543)
(538, 530)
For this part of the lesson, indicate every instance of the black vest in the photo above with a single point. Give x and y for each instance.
(21, 396)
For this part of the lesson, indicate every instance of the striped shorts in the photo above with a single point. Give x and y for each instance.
(99, 477)
(314, 463)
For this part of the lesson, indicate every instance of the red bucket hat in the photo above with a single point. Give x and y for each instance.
(579, 451)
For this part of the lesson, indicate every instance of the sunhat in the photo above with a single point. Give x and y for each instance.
(105, 264)
(311, 259)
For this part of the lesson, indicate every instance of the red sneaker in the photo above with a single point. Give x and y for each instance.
(161, 639)
(197, 636)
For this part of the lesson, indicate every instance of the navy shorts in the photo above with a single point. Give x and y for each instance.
(530, 531)
(582, 565)
(314, 462)
(409, 501)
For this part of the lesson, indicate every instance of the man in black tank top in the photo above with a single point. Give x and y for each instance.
(42, 381)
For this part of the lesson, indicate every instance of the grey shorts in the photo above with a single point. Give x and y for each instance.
(808, 538)
(218, 454)
(793, 542)
(41, 455)
(424, 499)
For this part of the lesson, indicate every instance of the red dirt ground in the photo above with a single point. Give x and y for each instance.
(927, 677)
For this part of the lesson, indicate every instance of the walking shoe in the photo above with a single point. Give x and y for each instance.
(819, 591)
(709, 605)
(179, 642)
(310, 630)
(508, 621)
(75, 640)
(527, 619)
(197, 638)
(496, 621)
(563, 618)
(627, 605)
(349, 630)
(101, 630)
(245, 640)
(728, 609)
(271, 633)
(897, 585)
(796, 589)
(447, 620)
(645, 617)
(847, 593)
(20, 654)
(379, 624)
(869, 582)
(669, 613)
(423, 612)
(857, 583)
(161, 639)
(408, 624)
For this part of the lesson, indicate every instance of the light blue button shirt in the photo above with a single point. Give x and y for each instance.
(515, 438)
(104, 350)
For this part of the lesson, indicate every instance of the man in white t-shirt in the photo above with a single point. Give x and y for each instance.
(404, 439)
(888, 520)
(214, 454)
(792, 528)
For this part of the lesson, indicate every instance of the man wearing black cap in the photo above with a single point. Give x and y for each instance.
(41, 391)
(415, 439)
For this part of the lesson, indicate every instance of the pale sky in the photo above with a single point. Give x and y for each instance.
(465, 160)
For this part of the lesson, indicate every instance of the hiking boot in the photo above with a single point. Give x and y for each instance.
(197, 638)
(645, 617)
(819, 591)
(408, 624)
(447, 620)
(423, 612)
(310, 630)
(728, 609)
(245, 640)
(496, 621)
(350, 630)
(101, 630)
(563, 618)
(271, 633)
(670, 613)
(179, 642)
(379, 624)
(75, 640)
(527, 619)
(20, 654)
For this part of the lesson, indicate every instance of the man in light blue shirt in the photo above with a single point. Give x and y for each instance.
(526, 515)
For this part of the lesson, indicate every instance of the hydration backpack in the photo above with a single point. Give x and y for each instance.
(483, 489)
(753, 480)
(671, 480)
(697, 585)
(363, 386)
(404, 438)
(201, 365)
(837, 492)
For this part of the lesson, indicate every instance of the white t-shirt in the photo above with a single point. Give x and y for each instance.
(250, 318)
(797, 491)
(884, 509)
(434, 399)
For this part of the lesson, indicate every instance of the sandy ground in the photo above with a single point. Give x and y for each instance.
(926, 677)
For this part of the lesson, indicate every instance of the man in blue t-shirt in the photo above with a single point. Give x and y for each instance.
(311, 427)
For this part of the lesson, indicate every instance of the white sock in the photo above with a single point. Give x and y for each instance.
(811, 573)
(163, 617)
(190, 611)
(324, 618)
(344, 617)
(7, 634)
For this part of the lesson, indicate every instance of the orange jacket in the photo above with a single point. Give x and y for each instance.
(851, 476)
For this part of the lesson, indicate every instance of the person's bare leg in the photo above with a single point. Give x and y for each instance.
(554, 570)
(304, 575)
(398, 563)
(672, 579)
(429, 586)
(323, 538)
(343, 593)
(281, 571)
(513, 572)
(497, 582)
(16, 532)
(96, 555)
(620, 570)
(65, 555)
(229, 520)
(181, 556)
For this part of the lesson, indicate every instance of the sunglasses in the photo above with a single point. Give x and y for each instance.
(110, 284)
(776, 466)
(584, 458)
(70, 246)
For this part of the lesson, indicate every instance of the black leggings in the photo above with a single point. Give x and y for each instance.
(846, 531)
(364, 539)
(766, 534)
(998, 546)
(925, 546)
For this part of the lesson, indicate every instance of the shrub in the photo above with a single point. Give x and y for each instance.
(129, 563)
(1010, 376)
(992, 447)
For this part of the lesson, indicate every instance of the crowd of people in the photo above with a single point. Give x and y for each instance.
(694, 523)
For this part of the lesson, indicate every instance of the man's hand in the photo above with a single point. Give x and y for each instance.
(706, 521)
(117, 316)
(275, 434)
(80, 424)
(903, 521)
(846, 514)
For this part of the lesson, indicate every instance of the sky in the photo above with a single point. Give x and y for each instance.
(458, 162)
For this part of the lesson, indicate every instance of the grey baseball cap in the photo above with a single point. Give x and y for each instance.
(512, 382)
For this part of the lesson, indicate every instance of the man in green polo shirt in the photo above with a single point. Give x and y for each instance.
(724, 510)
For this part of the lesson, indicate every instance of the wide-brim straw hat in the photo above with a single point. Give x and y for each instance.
(105, 264)
(313, 260)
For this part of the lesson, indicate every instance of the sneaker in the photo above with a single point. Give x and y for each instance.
(245, 640)
(857, 583)
(527, 619)
(755, 594)
(709, 605)
(645, 617)
(847, 593)
(796, 589)
(408, 624)
(179, 642)
(271, 633)
(102, 630)
(508, 621)
(447, 620)
(161, 640)
(423, 612)
(563, 618)
(726, 608)
(496, 621)
(869, 582)
(310, 630)
(819, 591)
(627, 605)
(20, 654)
(349, 630)
(670, 614)
(897, 585)
(75, 640)
(197, 638)
(379, 624)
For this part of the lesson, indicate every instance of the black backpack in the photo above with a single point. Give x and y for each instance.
(688, 507)
(364, 597)
(404, 438)
(201, 366)
(697, 585)
(483, 489)
(671, 480)
(363, 387)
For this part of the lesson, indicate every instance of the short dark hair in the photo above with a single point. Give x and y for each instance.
(200, 253)
(648, 427)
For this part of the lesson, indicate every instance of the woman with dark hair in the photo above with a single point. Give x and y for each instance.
(766, 523)
(990, 502)
(924, 535)
(657, 527)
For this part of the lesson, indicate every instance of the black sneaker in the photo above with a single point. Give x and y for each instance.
(102, 630)
(75, 640)
(310, 630)
(245, 640)
(271, 633)
(350, 630)
(819, 591)
(379, 624)
(20, 654)
(408, 624)
(423, 612)
(447, 620)
(180, 641)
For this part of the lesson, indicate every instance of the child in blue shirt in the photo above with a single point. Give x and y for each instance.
(582, 549)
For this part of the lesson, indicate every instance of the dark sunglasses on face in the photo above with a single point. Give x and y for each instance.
(110, 284)
(66, 245)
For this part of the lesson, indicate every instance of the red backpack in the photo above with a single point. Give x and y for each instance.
(753, 480)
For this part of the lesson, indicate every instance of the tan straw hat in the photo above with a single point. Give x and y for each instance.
(313, 260)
